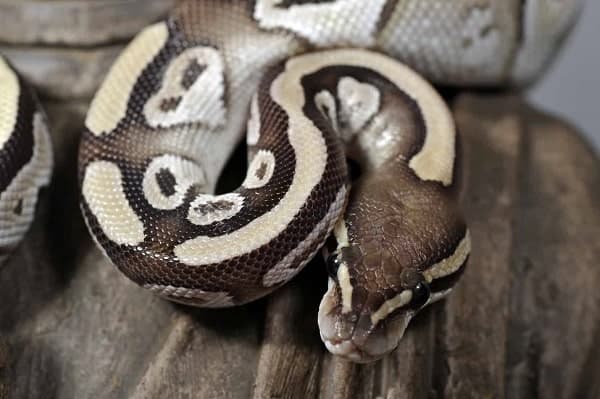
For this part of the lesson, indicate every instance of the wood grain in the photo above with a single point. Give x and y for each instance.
(524, 322)
(82, 22)
(63, 73)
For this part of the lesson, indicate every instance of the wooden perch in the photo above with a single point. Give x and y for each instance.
(524, 321)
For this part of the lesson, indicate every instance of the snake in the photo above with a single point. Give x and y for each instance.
(350, 150)
(25, 157)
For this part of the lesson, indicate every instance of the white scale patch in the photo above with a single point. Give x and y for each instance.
(207, 208)
(22, 192)
(110, 102)
(103, 191)
(185, 173)
(260, 170)
(9, 101)
(343, 22)
(192, 91)
(288, 267)
(326, 104)
(545, 23)
(253, 134)
(359, 102)
(207, 299)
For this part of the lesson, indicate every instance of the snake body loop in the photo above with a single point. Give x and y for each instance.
(173, 107)
(25, 157)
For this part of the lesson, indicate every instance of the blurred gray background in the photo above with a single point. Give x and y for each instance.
(571, 88)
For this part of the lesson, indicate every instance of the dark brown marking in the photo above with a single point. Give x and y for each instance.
(290, 3)
(191, 74)
(261, 171)
(19, 207)
(214, 206)
(166, 182)
(170, 104)
(386, 13)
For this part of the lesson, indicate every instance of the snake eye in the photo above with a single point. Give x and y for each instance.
(421, 293)
(333, 263)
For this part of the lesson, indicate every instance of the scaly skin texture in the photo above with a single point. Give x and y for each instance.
(173, 107)
(25, 157)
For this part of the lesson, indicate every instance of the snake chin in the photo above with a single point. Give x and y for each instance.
(353, 337)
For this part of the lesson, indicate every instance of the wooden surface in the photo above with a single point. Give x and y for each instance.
(524, 322)
(65, 47)
(76, 22)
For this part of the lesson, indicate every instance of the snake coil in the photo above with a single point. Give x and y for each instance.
(172, 108)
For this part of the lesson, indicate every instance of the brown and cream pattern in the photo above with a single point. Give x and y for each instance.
(174, 106)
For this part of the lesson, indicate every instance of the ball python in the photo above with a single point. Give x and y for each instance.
(321, 81)
(25, 157)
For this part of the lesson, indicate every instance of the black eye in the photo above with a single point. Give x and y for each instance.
(333, 263)
(421, 294)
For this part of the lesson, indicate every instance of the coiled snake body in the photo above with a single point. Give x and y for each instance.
(25, 157)
(171, 110)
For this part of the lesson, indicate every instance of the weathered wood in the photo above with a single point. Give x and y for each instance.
(63, 73)
(79, 23)
(492, 132)
(522, 323)
(555, 317)
(4, 367)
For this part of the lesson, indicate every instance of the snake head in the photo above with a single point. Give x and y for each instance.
(362, 321)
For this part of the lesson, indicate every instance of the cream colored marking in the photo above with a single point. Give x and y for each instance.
(345, 287)
(110, 102)
(389, 306)
(202, 218)
(311, 157)
(452, 263)
(103, 191)
(344, 22)
(435, 161)
(482, 48)
(200, 103)
(341, 234)
(291, 264)
(437, 296)
(253, 134)
(359, 103)
(326, 104)
(24, 187)
(9, 101)
(263, 159)
(310, 150)
(186, 173)
(209, 299)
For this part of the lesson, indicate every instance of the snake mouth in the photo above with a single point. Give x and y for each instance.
(347, 349)
(355, 339)
(362, 347)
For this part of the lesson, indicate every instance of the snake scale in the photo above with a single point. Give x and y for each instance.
(319, 82)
